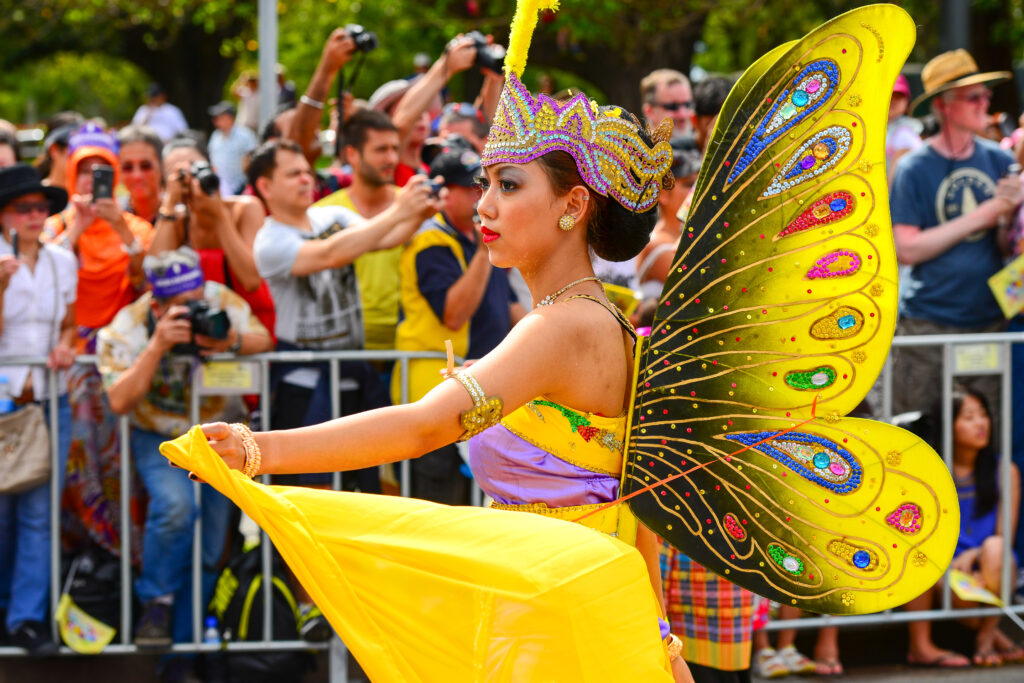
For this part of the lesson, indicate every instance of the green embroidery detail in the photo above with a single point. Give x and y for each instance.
(575, 419)
(818, 378)
(792, 564)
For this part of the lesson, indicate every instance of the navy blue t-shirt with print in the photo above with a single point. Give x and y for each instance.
(437, 269)
(929, 190)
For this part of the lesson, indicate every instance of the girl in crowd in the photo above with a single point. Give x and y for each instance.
(979, 549)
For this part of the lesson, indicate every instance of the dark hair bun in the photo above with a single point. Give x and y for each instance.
(617, 234)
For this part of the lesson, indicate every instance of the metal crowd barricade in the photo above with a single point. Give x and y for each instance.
(982, 344)
(257, 368)
(963, 355)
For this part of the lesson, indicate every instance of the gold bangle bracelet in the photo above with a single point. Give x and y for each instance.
(253, 459)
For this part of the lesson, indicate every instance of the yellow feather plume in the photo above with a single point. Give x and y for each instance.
(521, 32)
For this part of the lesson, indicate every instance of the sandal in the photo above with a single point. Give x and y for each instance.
(768, 664)
(795, 661)
(945, 660)
(831, 667)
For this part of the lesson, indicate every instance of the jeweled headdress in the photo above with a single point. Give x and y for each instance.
(609, 152)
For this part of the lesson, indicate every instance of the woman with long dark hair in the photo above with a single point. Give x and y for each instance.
(979, 548)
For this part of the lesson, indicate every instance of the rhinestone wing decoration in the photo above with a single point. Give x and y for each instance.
(772, 327)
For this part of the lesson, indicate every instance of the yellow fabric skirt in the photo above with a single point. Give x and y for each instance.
(426, 592)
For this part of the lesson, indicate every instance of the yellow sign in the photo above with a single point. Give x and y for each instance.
(969, 589)
(229, 376)
(976, 358)
(1008, 287)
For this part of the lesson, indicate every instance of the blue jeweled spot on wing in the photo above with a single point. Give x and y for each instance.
(849, 483)
(861, 559)
(781, 117)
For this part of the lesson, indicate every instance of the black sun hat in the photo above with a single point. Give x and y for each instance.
(21, 179)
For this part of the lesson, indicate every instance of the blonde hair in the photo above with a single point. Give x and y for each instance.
(649, 85)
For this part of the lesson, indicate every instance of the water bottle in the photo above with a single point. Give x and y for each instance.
(6, 400)
(211, 632)
(213, 665)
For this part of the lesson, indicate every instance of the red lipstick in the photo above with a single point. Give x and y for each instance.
(489, 235)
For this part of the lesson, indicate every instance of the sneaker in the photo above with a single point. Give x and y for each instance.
(154, 628)
(796, 663)
(768, 664)
(34, 637)
(313, 625)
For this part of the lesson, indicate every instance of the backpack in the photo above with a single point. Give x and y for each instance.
(238, 605)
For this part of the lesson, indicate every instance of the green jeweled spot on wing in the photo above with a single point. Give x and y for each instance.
(792, 564)
(819, 378)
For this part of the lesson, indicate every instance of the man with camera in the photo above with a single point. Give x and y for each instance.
(414, 110)
(449, 291)
(147, 355)
(371, 149)
(221, 229)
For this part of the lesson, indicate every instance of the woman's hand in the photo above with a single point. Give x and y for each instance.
(966, 560)
(226, 442)
(8, 267)
(61, 357)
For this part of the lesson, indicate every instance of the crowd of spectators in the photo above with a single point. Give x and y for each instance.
(254, 241)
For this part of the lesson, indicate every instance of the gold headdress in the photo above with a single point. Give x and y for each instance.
(611, 155)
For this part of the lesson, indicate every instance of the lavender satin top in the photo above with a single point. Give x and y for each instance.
(513, 471)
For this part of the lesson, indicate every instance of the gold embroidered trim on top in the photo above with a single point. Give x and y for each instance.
(606, 521)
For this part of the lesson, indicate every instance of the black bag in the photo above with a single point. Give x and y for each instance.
(238, 605)
(95, 584)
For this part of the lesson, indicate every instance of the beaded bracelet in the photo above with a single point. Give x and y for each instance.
(251, 466)
(675, 647)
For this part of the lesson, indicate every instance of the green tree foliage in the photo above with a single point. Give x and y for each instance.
(196, 47)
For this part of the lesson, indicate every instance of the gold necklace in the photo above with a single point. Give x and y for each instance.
(550, 298)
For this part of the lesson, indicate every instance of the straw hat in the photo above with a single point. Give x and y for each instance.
(953, 69)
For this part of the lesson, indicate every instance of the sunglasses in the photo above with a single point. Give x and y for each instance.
(25, 208)
(130, 166)
(975, 98)
(673, 106)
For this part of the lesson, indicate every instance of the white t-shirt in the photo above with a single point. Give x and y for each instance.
(167, 120)
(33, 315)
(316, 311)
(226, 155)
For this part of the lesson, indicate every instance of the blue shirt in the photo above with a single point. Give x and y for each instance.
(929, 190)
(437, 269)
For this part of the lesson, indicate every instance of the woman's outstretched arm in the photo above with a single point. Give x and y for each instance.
(530, 362)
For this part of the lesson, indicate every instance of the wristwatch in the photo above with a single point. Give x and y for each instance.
(132, 249)
(237, 346)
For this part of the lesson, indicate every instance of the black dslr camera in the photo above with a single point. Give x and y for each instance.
(208, 180)
(204, 322)
(487, 56)
(365, 40)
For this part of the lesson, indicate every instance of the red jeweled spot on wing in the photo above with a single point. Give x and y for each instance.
(733, 526)
(823, 211)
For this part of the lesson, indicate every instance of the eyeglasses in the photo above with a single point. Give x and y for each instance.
(673, 106)
(144, 166)
(25, 208)
(975, 98)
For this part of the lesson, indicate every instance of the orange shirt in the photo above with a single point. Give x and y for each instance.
(104, 287)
